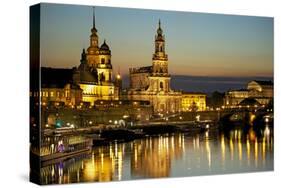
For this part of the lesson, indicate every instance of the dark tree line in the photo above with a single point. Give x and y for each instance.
(215, 100)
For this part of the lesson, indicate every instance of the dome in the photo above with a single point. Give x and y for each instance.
(104, 46)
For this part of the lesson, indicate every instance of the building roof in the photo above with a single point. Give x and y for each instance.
(55, 77)
(147, 69)
(235, 90)
(87, 77)
(249, 101)
(104, 46)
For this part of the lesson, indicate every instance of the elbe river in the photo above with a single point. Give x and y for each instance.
(169, 155)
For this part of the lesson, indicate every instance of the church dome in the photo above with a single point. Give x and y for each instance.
(104, 46)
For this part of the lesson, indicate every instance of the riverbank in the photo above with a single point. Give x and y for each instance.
(106, 136)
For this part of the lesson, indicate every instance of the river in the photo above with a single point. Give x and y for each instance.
(173, 155)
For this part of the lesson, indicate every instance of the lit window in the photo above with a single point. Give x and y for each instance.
(52, 94)
(161, 85)
(102, 60)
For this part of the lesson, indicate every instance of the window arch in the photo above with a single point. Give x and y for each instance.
(161, 86)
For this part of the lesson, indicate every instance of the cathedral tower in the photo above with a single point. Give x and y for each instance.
(93, 50)
(160, 58)
(152, 83)
(160, 79)
(104, 67)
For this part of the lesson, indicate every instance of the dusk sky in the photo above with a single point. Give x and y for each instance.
(197, 44)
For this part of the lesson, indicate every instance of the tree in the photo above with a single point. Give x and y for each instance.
(216, 99)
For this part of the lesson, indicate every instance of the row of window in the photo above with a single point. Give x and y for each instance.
(200, 97)
(50, 94)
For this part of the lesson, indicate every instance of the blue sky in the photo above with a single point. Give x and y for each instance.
(197, 44)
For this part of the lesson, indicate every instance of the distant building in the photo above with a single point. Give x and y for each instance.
(193, 101)
(152, 83)
(57, 88)
(257, 93)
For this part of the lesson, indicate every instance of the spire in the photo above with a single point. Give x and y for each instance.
(159, 30)
(94, 30)
(94, 18)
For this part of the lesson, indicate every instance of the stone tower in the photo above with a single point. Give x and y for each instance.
(160, 58)
(93, 50)
(160, 78)
(104, 67)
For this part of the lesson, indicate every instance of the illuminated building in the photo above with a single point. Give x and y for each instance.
(256, 93)
(193, 101)
(57, 88)
(93, 77)
(152, 83)
(94, 74)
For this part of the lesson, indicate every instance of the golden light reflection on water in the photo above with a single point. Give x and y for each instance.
(148, 163)
(158, 156)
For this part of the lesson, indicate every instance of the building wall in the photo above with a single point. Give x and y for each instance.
(159, 84)
(93, 59)
(261, 93)
(161, 102)
(101, 115)
(139, 81)
(66, 95)
(233, 98)
(189, 100)
(107, 73)
(92, 92)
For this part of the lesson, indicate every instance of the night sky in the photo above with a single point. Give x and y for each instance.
(197, 44)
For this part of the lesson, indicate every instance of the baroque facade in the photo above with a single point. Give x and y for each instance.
(94, 74)
(193, 101)
(152, 83)
(92, 80)
(259, 93)
(57, 88)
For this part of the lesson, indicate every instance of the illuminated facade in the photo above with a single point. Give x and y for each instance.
(260, 91)
(94, 74)
(57, 88)
(69, 95)
(152, 83)
(193, 101)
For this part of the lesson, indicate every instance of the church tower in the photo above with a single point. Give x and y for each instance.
(156, 88)
(160, 58)
(93, 50)
(160, 78)
(104, 67)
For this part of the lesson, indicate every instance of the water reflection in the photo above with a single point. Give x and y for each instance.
(169, 156)
(152, 157)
